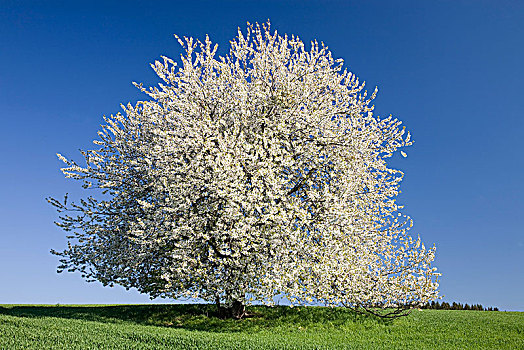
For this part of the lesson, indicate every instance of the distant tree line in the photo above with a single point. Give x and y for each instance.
(457, 306)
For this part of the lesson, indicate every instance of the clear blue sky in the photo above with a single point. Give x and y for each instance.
(453, 71)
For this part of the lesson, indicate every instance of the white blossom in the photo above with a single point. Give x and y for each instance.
(249, 175)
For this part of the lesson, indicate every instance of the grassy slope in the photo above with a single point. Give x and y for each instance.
(189, 327)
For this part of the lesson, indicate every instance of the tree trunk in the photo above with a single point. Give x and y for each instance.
(237, 310)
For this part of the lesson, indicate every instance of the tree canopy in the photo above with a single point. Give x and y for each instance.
(259, 173)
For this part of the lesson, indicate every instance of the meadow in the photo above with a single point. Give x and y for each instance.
(161, 326)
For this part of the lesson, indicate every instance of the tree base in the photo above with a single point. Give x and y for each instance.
(236, 311)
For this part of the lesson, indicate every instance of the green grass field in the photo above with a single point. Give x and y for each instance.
(195, 327)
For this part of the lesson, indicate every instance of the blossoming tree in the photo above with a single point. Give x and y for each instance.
(246, 176)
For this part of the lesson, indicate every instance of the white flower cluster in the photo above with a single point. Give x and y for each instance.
(247, 176)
